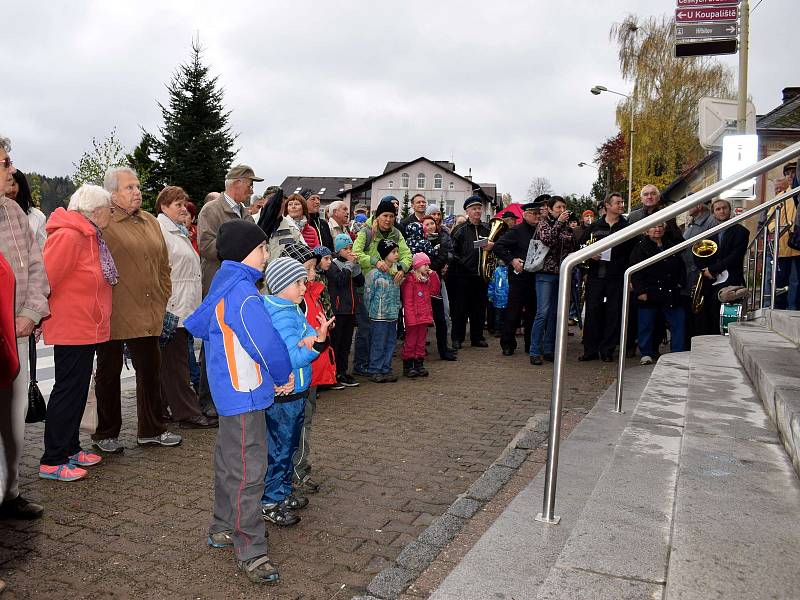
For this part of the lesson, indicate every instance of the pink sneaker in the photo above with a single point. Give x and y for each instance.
(67, 472)
(85, 459)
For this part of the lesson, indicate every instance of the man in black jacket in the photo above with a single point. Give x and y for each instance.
(512, 249)
(418, 206)
(319, 224)
(604, 284)
(729, 259)
(466, 287)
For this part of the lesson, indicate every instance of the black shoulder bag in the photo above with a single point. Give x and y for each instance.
(36, 406)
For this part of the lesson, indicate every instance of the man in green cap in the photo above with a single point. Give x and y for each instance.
(227, 207)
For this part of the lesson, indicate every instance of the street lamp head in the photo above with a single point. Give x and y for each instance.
(597, 89)
(583, 164)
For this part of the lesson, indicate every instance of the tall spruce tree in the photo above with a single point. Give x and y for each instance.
(195, 147)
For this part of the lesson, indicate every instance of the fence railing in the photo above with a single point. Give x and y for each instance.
(551, 475)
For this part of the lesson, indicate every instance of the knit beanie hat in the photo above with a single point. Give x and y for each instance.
(283, 272)
(300, 252)
(236, 239)
(385, 247)
(360, 219)
(432, 208)
(342, 241)
(320, 251)
(386, 205)
(419, 259)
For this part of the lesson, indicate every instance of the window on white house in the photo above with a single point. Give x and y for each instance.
(404, 180)
(391, 184)
(420, 181)
(450, 204)
(452, 185)
(437, 182)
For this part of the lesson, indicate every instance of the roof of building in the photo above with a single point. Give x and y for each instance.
(328, 188)
(785, 116)
(489, 194)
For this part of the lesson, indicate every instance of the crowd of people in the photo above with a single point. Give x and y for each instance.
(280, 296)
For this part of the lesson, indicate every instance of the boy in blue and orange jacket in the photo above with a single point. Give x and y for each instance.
(247, 364)
(286, 279)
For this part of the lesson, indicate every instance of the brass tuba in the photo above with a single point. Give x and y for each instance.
(487, 261)
(702, 251)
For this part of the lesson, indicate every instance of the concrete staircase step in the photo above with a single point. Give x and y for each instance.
(620, 546)
(785, 323)
(514, 556)
(772, 363)
(735, 531)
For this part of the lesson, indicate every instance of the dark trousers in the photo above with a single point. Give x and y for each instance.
(146, 359)
(603, 315)
(240, 461)
(73, 366)
(521, 303)
(440, 322)
(362, 342)
(707, 321)
(284, 425)
(341, 340)
(467, 302)
(648, 318)
(204, 391)
(176, 393)
(194, 366)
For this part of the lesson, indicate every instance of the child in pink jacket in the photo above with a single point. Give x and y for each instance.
(416, 291)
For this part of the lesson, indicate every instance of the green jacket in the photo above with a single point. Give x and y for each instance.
(366, 247)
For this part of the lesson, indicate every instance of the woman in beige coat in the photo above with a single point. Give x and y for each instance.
(176, 393)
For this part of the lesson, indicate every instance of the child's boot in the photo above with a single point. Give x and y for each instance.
(421, 370)
(409, 369)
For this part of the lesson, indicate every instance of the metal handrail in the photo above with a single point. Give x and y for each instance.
(564, 292)
(623, 334)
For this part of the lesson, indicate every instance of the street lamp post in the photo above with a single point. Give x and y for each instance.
(597, 90)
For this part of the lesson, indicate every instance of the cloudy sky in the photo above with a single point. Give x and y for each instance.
(339, 88)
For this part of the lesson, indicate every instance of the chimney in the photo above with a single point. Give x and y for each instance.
(789, 93)
(470, 174)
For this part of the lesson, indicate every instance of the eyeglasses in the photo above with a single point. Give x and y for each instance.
(6, 162)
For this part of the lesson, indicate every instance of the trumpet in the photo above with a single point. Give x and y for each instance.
(487, 260)
(702, 252)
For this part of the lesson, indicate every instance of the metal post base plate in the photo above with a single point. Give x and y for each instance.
(542, 519)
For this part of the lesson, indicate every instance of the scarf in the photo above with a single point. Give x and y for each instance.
(301, 222)
(106, 260)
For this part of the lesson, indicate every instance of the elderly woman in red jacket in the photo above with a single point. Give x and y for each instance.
(81, 273)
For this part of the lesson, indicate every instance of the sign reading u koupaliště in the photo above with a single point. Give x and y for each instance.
(703, 14)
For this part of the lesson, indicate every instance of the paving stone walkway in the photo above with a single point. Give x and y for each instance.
(390, 457)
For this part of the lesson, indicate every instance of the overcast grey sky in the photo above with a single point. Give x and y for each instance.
(339, 88)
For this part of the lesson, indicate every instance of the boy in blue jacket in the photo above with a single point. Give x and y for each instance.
(247, 365)
(382, 299)
(286, 279)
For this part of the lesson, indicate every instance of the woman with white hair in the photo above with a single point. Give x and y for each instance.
(81, 272)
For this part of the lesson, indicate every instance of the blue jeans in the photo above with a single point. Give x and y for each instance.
(544, 326)
(384, 337)
(675, 317)
(788, 275)
(284, 424)
(363, 334)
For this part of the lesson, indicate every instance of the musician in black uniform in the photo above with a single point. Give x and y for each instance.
(512, 248)
(465, 286)
(729, 258)
(604, 284)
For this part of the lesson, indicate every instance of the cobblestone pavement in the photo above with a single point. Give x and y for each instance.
(390, 457)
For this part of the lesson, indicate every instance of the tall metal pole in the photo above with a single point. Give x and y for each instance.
(630, 161)
(744, 43)
(776, 235)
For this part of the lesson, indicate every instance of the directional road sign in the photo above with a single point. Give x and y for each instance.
(706, 31)
(705, 2)
(699, 15)
(684, 48)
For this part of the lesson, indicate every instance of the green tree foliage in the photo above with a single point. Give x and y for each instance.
(405, 209)
(577, 204)
(141, 160)
(53, 191)
(92, 166)
(194, 148)
(665, 96)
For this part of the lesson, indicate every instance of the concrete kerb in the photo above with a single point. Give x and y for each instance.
(419, 554)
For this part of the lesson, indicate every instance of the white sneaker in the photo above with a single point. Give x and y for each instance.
(165, 439)
(110, 445)
(646, 360)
